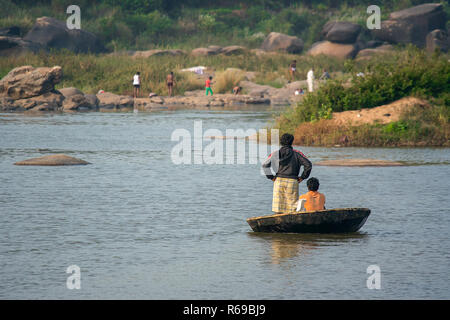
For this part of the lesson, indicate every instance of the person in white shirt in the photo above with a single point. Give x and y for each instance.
(310, 80)
(137, 84)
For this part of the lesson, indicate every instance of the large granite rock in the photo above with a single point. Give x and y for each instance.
(14, 46)
(438, 39)
(281, 42)
(331, 49)
(110, 101)
(341, 32)
(412, 25)
(49, 101)
(27, 82)
(52, 33)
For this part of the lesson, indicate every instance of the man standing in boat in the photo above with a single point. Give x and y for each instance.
(286, 164)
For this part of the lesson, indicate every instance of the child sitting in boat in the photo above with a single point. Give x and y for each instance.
(314, 199)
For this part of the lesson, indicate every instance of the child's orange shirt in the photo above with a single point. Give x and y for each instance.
(314, 200)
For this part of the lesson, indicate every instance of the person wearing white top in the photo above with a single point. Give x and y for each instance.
(137, 84)
(310, 80)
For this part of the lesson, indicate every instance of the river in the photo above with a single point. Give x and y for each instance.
(141, 227)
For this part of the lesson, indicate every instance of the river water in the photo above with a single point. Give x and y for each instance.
(141, 227)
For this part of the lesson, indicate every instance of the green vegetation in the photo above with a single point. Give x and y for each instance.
(409, 72)
(147, 24)
(388, 78)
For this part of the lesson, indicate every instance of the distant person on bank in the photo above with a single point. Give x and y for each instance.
(293, 69)
(208, 86)
(170, 80)
(137, 84)
(325, 75)
(310, 80)
(286, 163)
(237, 90)
(314, 199)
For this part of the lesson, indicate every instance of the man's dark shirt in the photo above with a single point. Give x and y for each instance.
(290, 162)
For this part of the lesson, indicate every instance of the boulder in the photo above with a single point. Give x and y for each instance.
(412, 25)
(331, 49)
(109, 100)
(281, 42)
(52, 33)
(10, 32)
(92, 99)
(205, 52)
(27, 82)
(76, 102)
(50, 101)
(14, 46)
(232, 50)
(438, 39)
(157, 52)
(368, 53)
(341, 32)
(52, 160)
(71, 91)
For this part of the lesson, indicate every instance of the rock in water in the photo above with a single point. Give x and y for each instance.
(27, 82)
(281, 42)
(52, 33)
(52, 160)
(359, 163)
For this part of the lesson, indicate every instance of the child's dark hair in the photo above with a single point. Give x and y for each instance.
(210, 78)
(313, 184)
(138, 73)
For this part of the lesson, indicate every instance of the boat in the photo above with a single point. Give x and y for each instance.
(323, 221)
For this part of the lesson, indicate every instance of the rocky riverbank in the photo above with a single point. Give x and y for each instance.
(26, 89)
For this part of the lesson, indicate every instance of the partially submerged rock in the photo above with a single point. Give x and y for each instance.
(359, 163)
(109, 100)
(52, 160)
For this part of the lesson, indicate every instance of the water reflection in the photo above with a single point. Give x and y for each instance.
(284, 246)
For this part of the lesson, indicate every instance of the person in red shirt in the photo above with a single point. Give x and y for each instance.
(208, 86)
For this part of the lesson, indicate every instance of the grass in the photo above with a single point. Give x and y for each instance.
(113, 73)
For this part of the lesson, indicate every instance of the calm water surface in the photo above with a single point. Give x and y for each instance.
(139, 226)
